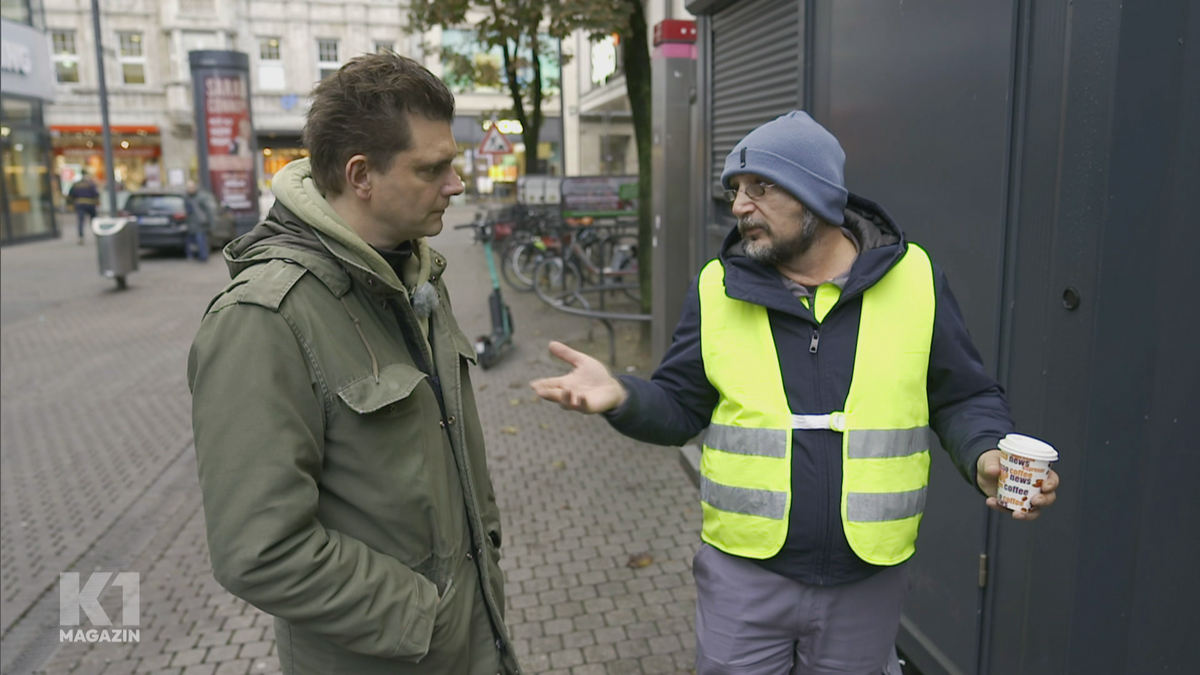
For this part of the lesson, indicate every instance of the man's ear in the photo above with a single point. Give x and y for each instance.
(358, 179)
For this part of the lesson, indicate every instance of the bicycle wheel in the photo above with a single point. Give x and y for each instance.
(555, 279)
(518, 263)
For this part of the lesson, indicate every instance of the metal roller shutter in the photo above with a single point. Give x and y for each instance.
(755, 70)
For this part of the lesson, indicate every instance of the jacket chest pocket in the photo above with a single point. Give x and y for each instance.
(387, 398)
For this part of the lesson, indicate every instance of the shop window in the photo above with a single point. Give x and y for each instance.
(270, 64)
(327, 58)
(26, 182)
(66, 57)
(131, 58)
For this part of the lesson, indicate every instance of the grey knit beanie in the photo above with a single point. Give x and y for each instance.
(798, 155)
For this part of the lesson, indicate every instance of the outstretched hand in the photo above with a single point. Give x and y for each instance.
(987, 475)
(588, 388)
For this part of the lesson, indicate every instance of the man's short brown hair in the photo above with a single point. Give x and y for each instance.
(364, 109)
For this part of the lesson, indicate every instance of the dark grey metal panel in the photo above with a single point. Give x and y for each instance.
(919, 96)
(1101, 585)
(755, 71)
(1059, 200)
(1141, 428)
(1157, 147)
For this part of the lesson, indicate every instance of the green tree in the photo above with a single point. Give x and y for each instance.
(517, 28)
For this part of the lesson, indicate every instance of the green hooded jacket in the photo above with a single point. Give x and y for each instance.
(340, 494)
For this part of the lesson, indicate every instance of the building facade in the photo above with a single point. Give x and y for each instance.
(599, 124)
(291, 44)
(27, 190)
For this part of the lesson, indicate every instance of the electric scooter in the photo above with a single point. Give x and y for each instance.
(489, 348)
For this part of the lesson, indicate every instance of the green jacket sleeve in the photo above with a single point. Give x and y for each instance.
(258, 420)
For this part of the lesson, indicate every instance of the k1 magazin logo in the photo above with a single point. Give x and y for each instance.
(72, 600)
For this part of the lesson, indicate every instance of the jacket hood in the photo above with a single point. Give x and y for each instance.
(302, 227)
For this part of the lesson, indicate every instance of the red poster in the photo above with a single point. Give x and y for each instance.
(230, 144)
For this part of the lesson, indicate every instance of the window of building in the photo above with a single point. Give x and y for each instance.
(270, 64)
(66, 57)
(268, 48)
(383, 47)
(131, 58)
(17, 11)
(327, 58)
(472, 67)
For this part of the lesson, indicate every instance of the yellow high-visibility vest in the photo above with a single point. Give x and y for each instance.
(746, 465)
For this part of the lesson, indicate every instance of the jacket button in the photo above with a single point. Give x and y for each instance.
(470, 555)
(370, 282)
(442, 423)
(433, 279)
(391, 408)
(450, 421)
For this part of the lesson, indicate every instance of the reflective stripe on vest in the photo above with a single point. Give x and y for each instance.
(746, 463)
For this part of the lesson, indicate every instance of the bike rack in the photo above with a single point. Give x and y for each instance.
(559, 302)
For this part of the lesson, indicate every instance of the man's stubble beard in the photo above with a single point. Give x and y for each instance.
(769, 251)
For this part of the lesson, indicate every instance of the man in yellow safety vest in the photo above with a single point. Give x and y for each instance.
(820, 350)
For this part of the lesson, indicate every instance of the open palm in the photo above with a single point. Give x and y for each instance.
(588, 388)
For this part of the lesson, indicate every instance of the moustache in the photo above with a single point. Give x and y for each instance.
(746, 224)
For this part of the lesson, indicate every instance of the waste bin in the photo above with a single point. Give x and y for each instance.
(117, 247)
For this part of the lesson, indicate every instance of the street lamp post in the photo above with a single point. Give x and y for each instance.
(110, 168)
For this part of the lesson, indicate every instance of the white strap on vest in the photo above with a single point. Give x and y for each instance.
(835, 421)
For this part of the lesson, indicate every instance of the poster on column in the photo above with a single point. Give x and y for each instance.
(230, 141)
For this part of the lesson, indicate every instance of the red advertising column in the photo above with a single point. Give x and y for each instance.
(225, 132)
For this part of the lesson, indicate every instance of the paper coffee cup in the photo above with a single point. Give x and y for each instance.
(1024, 463)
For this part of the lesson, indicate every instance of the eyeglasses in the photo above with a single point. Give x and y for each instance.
(754, 190)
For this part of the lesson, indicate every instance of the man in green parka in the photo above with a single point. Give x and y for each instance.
(340, 452)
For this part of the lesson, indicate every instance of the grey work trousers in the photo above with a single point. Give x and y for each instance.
(750, 621)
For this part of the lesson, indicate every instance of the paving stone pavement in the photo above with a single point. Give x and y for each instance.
(598, 530)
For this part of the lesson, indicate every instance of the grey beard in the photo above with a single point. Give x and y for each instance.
(774, 252)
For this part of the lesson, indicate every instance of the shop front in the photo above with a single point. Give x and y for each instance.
(496, 174)
(26, 193)
(137, 156)
(276, 150)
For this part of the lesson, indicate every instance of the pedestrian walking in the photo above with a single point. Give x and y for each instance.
(201, 218)
(341, 456)
(84, 196)
(819, 349)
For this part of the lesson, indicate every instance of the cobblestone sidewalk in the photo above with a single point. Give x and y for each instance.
(599, 530)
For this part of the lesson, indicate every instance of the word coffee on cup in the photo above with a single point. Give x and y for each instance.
(1024, 464)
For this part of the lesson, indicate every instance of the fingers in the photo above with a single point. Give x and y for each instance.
(565, 353)
(987, 472)
(552, 390)
(546, 385)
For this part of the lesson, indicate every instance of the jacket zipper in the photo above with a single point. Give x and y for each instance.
(823, 563)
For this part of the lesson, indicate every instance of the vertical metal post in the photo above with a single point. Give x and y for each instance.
(672, 76)
(110, 168)
(562, 117)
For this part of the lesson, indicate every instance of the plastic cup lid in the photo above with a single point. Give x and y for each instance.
(1029, 447)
